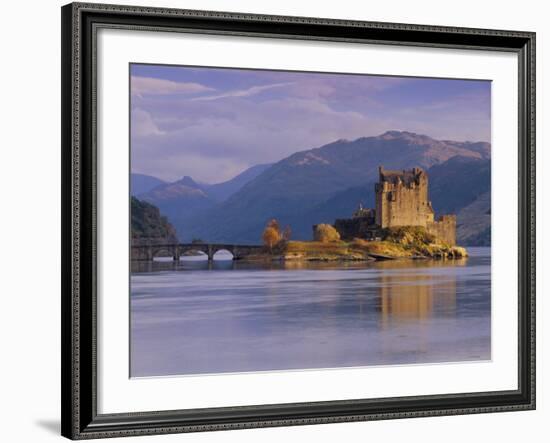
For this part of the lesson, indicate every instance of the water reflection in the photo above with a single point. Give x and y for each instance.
(412, 296)
(225, 262)
(269, 316)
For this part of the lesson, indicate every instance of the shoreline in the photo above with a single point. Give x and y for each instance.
(360, 251)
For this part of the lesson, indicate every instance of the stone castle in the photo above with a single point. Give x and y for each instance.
(401, 200)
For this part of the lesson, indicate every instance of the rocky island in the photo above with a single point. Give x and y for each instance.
(402, 225)
(405, 242)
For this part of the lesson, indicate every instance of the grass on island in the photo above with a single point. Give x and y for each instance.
(355, 250)
(403, 242)
(321, 250)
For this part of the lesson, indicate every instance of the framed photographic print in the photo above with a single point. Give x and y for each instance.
(274, 221)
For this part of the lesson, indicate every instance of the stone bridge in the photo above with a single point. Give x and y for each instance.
(177, 250)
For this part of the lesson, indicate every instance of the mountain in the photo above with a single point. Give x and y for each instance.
(149, 225)
(141, 183)
(297, 190)
(185, 198)
(474, 222)
(462, 186)
(457, 182)
(179, 200)
(483, 148)
(340, 205)
(222, 191)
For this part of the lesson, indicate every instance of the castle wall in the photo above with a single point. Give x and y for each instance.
(444, 229)
(400, 204)
(358, 227)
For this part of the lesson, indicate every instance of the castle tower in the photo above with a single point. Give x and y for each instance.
(402, 198)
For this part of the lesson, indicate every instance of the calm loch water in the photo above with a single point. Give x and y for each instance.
(194, 318)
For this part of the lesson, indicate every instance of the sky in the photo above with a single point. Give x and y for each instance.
(213, 123)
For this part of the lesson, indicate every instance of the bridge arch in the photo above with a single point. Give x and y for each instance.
(193, 254)
(163, 253)
(184, 250)
(223, 254)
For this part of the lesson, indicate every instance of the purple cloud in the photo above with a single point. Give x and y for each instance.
(253, 90)
(141, 86)
(213, 123)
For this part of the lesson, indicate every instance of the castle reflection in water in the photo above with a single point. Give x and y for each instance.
(404, 292)
(407, 296)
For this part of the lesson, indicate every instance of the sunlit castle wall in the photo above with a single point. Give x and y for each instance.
(444, 229)
(402, 198)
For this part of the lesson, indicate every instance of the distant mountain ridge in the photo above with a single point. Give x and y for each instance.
(222, 191)
(320, 184)
(458, 182)
(185, 197)
(474, 222)
(179, 199)
(141, 183)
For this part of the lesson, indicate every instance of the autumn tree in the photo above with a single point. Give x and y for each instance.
(273, 237)
(326, 233)
(273, 223)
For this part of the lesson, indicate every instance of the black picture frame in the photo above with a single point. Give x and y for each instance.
(79, 176)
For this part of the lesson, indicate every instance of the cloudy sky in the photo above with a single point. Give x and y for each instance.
(213, 123)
